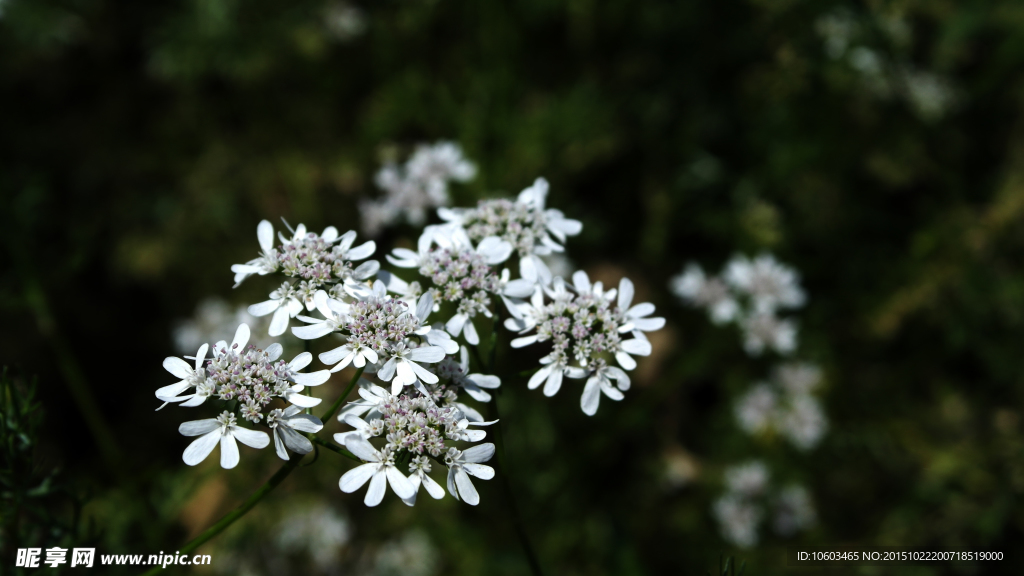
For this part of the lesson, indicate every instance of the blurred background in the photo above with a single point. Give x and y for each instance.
(876, 147)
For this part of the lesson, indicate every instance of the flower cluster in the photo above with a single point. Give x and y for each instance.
(750, 293)
(741, 509)
(313, 262)
(786, 406)
(417, 186)
(525, 224)
(252, 381)
(417, 429)
(586, 328)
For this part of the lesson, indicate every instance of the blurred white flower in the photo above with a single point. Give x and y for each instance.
(803, 422)
(695, 288)
(755, 410)
(793, 511)
(410, 555)
(214, 320)
(419, 185)
(797, 377)
(761, 331)
(769, 284)
(344, 21)
(738, 519)
(315, 529)
(748, 479)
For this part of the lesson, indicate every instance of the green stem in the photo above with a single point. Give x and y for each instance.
(320, 442)
(510, 498)
(499, 440)
(237, 512)
(337, 403)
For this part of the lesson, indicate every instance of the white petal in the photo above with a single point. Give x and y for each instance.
(539, 376)
(167, 393)
(300, 400)
(528, 269)
(355, 478)
(198, 427)
(228, 452)
(241, 337)
(485, 380)
(364, 250)
(649, 324)
(470, 333)
(641, 310)
(300, 361)
(335, 356)
(201, 447)
(425, 305)
(405, 374)
(451, 484)
(625, 293)
(494, 250)
(274, 351)
(432, 487)
(479, 453)
(612, 392)
(466, 489)
(311, 332)
(554, 383)
(477, 394)
(591, 396)
(423, 374)
(362, 448)
(387, 371)
(251, 438)
(366, 270)
(305, 423)
(264, 308)
(279, 447)
(481, 471)
(265, 235)
(330, 234)
(625, 360)
(519, 288)
(399, 483)
(524, 341)
(637, 346)
(313, 378)
(428, 354)
(581, 282)
(454, 325)
(177, 367)
(294, 441)
(375, 493)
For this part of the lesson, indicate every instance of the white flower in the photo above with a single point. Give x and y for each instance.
(793, 511)
(189, 376)
(223, 430)
(755, 411)
(600, 382)
(738, 519)
(266, 263)
(695, 288)
(762, 331)
(287, 424)
(474, 383)
(749, 479)
(636, 317)
(798, 378)
(371, 396)
(379, 470)
(769, 284)
(335, 318)
(418, 469)
(402, 365)
(532, 230)
(302, 380)
(462, 464)
(803, 422)
(284, 303)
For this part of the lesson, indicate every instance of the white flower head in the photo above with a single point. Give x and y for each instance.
(794, 511)
(463, 464)
(379, 470)
(756, 410)
(525, 224)
(748, 479)
(695, 288)
(803, 422)
(222, 430)
(768, 283)
(288, 424)
(738, 520)
(764, 330)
